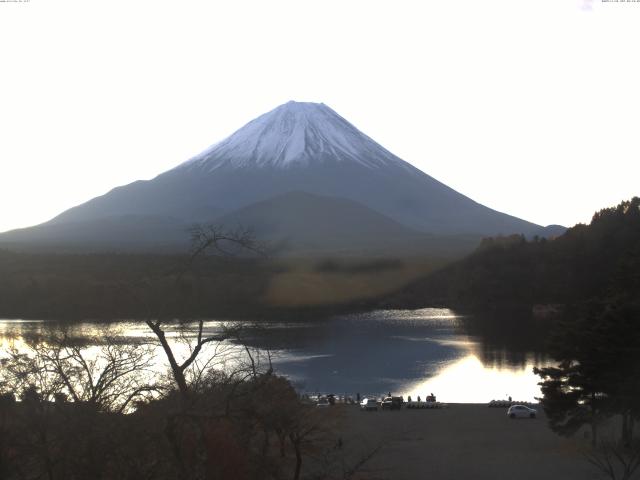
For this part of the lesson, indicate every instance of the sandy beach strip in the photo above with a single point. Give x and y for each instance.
(462, 441)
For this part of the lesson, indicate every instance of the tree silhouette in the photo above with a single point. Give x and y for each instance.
(599, 370)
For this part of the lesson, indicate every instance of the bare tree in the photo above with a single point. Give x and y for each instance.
(179, 368)
(74, 394)
(615, 459)
(99, 370)
(206, 240)
(216, 240)
(188, 426)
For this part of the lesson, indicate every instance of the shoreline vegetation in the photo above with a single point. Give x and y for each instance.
(88, 411)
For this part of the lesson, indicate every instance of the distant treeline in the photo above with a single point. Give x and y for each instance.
(596, 261)
(72, 287)
(109, 286)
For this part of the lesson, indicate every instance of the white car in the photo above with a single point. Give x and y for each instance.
(323, 402)
(521, 411)
(368, 404)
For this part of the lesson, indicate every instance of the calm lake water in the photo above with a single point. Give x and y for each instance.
(406, 352)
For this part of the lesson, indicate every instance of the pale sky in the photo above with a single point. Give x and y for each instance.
(529, 107)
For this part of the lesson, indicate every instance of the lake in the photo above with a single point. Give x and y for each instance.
(462, 359)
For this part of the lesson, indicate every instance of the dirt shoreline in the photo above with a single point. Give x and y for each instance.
(462, 441)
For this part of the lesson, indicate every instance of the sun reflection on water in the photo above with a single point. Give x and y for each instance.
(470, 379)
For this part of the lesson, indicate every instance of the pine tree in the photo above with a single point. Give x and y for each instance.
(598, 374)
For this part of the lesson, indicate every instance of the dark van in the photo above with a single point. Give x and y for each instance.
(392, 403)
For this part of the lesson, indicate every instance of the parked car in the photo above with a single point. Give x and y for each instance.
(368, 404)
(521, 411)
(392, 403)
(323, 402)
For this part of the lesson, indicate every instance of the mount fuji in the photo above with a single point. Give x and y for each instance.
(300, 175)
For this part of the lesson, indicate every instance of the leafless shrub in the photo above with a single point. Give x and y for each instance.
(102, 371)
(614, 459)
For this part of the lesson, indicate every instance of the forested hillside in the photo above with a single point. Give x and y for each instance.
(596, 261)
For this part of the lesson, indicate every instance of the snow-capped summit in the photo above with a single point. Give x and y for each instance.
(295, 133)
